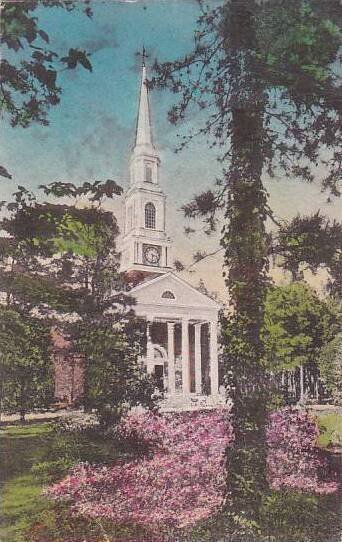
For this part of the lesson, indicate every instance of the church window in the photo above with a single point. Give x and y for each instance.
(150, 216)
(148, 173)
(168, 295)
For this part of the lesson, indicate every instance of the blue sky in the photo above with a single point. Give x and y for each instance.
(91, 131)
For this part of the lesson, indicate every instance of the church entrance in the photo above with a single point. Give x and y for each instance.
(159, 375)
(159, 360)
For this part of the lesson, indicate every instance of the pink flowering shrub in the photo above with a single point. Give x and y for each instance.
(293, 460)
(184, 481)
(180, 485)
(146, 430)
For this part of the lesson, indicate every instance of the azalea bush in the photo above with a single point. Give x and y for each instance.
(183, 482)
(294, 462)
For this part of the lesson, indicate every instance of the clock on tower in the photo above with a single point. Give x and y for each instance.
(151, 254)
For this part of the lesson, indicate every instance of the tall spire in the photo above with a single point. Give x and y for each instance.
(144, 137)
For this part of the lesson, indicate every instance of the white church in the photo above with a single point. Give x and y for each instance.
(182, 323)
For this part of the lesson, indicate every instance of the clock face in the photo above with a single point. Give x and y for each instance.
(152, 254)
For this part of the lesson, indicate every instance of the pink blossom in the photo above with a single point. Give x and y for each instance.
(293, 459)
(184, 480)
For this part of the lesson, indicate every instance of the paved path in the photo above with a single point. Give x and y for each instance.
(39, 416)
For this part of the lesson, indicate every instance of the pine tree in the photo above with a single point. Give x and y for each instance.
(264, 76)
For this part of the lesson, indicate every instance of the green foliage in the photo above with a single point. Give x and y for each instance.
(293, 55)
(67, 448)
(291, 516)
(330, 364)
(246, 459)
(115, 377)
(76, 238)
(95, 191)
(287, 516)
(25, 364)
(81, 242)
(312, 241)
(290, 56)
(65, 267)
(297, 325)
(5, 173)
(29, 65)
(57, 524)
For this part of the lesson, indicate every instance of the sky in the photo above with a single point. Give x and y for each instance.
(91, 131)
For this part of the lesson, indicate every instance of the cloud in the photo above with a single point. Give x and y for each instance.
(101, 146)
(106, 133)
(94, 45)
(39, 134)
(71, 160)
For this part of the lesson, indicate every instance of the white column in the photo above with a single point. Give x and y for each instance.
(171, 357)
(149, 349)
(213, 358)
(185, 357)
(198, 359)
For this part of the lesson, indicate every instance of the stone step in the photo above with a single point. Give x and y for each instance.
(191, 402)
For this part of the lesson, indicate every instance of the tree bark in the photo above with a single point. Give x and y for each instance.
(244, 241)
(22, 403)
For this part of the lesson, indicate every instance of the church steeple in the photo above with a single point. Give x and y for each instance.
(144, 160)
(146, 245)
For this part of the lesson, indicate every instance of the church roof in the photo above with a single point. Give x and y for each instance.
(185, 294)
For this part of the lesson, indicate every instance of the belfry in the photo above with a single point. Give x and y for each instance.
(182, 350)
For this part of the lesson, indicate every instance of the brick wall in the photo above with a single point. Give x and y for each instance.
(68, 369)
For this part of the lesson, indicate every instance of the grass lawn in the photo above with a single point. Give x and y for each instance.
(22, 446)
(330, 426)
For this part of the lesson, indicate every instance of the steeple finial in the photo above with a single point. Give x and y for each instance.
(143, 57)
(143, 138)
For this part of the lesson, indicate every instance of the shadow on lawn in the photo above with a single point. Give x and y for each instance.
(32, 456)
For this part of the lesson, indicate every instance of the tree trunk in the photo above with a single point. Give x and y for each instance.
(245, 246)
(22, 402)
(247, 262)
(301, 384)
(2, 378)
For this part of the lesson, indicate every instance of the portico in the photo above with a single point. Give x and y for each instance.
(181, 332)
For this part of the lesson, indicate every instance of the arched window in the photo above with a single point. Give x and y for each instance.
(150, 216)
(168, 295)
